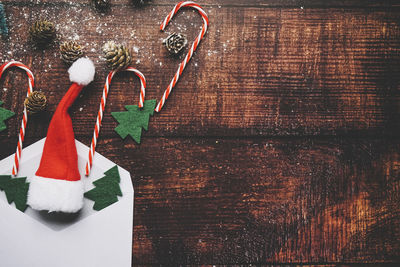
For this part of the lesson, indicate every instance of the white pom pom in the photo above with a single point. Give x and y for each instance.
(82, 71)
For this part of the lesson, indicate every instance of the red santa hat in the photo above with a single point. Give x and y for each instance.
(57, 185)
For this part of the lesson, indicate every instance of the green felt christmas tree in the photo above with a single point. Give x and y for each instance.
(4, 115)
(132, 121)
(16, 190)
(106, 190)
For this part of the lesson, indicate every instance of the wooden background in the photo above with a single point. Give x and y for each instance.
(280, 144)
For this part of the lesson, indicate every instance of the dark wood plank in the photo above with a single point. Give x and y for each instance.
(256, 201)
(242, 201)
(259, 72)
(238, 3)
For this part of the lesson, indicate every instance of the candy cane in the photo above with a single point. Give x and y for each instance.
(31, 81)
(97, 126)
(192, 49)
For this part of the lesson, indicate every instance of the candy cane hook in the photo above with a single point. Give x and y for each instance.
(31, 82)
(97, 126)
(182, 65)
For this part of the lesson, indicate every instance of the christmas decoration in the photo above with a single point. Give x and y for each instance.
(196, 43)
(35, 102)
(101, 5)
(4, 115)
(117, 56)
(57, 184)
(106, 191)
(102, 107)
(175, 43)
(21, 135)
(16, 190)
(132, 121)
(140, 2)
(70, 51)
(42, 33)
(3, 21)
(41, 239)
(135, 118)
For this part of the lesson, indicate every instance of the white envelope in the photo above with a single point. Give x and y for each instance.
(91, 238)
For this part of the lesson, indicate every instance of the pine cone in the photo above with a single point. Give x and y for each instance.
(70, 51)
(117, 55)
(42, 33)
(175, 43)
(35, 102)
(102, 5)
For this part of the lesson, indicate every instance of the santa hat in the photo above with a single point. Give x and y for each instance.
(57, 185)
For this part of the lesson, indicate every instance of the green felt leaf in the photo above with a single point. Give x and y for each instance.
(4, 115)
(106, 189)
(16, 190)
(134, 119)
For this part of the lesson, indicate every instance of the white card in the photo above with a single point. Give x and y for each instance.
(90, 238)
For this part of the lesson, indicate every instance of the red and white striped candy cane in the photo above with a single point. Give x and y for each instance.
(192, 49)
(31, 82)
(102, 107)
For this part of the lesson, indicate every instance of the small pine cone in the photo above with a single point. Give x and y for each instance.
(35, 102)
(70, 51)
(42, 33)
(102, 5)
(175, 43)
(117, 55)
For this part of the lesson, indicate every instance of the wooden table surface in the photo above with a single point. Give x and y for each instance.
(280, 143)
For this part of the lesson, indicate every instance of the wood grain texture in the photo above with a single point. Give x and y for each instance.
(307, 72)
(285, 205)
(253, 3)
(278, 145)
(242, 201)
